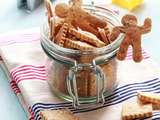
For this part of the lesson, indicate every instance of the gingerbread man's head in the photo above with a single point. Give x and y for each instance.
(61, 10)
(129, 20)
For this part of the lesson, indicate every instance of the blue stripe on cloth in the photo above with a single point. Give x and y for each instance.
(110, 100)
(119, 95)
(156, 115)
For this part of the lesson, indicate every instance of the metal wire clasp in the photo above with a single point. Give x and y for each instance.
(72, 83)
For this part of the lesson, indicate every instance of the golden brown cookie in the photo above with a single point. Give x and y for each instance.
(52, 29)
(78, 45)
(61, 10)
(57, 27)
(133, 110)
(60, 37)
(133, 34)
(104, 36)
(82, 83)
(57, 115)
(49, 8)
(86, 27)
(153, 98)
(87, 37)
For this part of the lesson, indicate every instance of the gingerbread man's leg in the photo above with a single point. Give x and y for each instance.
(137, 50)
(122, 52)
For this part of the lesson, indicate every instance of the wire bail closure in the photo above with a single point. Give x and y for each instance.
(72, 83)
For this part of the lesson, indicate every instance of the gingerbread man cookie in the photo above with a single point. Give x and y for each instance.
(132, 37)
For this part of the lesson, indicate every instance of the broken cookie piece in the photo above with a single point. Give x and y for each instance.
(132, 111)
(57, 115)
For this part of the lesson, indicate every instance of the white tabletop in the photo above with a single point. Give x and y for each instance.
(12, 18)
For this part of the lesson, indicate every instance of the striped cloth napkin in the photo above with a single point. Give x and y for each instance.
(25, 65)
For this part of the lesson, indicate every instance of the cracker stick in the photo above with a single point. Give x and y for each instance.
(52, 28)
(60, 37)
(87, 37)
(78, 45)
(49, 8)
(104, 36)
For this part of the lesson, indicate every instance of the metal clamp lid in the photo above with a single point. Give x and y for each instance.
(72, 83)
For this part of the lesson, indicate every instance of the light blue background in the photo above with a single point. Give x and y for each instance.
(11, 18)
(10, 108)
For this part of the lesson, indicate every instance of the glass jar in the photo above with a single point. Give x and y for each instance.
(83, 77)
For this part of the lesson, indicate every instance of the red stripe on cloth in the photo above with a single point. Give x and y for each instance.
(30, 78)
(144, 57)
(19, 38)
(27, 67)
(16, 90)
(28, 72)
(31, 113)
(28, 75)
(1, 58)
(129, 54)
(15, 87)
(143, 54)
(31, 118)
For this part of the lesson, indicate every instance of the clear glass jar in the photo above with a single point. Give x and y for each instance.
(83, 76)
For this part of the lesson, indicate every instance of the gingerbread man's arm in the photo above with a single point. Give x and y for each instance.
(116, 32)
(146, 27)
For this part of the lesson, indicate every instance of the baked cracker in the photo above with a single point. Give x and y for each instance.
(78, 45)
(57, 115)
(133, 110)
(149, 97)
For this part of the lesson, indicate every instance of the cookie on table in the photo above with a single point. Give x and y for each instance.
(57, 115)
(149, 97)
(133, 110)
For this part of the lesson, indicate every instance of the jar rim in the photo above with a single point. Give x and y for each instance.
(106, 49)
